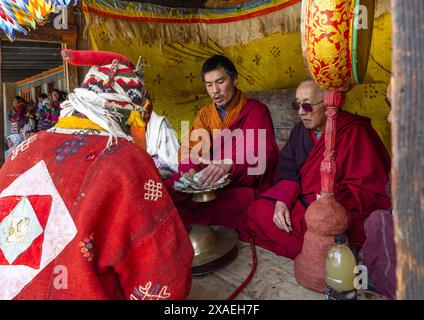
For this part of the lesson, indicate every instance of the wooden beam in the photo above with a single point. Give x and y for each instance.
(10, 59)
(68, 39)
(46, 33)
(38, 65)
(408, 145)
(41, 75)
(30, 47)
(71, 71)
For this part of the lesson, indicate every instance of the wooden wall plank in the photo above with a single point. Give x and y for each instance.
(408, 145)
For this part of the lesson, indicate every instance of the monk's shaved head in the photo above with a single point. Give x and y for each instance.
(311, 85)
(309, 93)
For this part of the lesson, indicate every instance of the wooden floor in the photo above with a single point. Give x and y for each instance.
(274, 279)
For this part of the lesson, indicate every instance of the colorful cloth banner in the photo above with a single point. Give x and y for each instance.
(152, 23)
(223, 3)
(147, 12)
(21, 15)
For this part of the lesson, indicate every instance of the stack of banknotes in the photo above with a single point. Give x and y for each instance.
(186, 183)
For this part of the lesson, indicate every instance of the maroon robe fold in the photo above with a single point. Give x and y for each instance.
(363, 165)
(230, 208)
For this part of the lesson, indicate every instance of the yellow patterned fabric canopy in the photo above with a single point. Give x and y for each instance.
(265, 62)
(150, 23)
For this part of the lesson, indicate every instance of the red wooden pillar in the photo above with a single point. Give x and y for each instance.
(333, 101)
(325, 217)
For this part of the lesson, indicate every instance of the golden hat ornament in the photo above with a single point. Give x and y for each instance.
(211, 242)
(336, 41)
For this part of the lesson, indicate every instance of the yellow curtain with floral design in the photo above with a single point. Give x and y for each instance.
(172, 71)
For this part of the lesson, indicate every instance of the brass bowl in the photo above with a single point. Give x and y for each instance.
(205, 195)
(211, 243)
(213, 266)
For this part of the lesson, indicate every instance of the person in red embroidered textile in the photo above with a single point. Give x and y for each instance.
(234, 114)
(83, 212)
(277, 220)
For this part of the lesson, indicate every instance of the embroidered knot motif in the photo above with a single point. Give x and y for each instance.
(70, 147)
(146, 293)
(153, 190)
(23, 146)
(109, 151)
(86, 247)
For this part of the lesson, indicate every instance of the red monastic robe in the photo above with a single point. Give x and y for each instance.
(363, 165)
(230, 208)
(80, 223)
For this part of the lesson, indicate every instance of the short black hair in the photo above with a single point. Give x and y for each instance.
(217, 61)
(43, 95)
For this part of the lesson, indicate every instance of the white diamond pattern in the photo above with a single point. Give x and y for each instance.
(59, 230)
(18, 230)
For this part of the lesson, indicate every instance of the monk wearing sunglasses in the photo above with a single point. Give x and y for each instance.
(277, 220)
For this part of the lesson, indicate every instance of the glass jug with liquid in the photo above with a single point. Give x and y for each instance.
(339, 271)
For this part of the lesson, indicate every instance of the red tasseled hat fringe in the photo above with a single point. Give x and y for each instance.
(94, 58)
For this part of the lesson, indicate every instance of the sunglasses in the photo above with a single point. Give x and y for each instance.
(307, 107)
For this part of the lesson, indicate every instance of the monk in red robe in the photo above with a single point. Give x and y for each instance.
(245, 148)
(277, 220)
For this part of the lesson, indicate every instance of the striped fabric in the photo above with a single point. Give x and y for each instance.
(125, 82)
